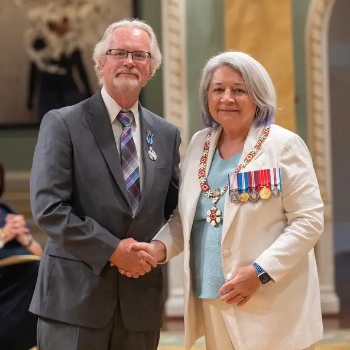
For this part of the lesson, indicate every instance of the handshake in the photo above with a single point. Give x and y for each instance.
(135, 259)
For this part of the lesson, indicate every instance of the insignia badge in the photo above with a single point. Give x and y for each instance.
(149, 140)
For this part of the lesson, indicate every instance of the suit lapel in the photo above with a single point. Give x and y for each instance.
(230, 209)
(101, 128)
(146, 124)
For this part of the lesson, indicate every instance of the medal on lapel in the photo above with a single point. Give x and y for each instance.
(253, 181)
(264, 177)
(242, 187)
(149, 140)
(275, 182)
(234, 195)
(214, 214)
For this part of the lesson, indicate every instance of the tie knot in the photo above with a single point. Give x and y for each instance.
(125, 117)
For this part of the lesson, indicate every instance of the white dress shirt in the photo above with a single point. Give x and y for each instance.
(113, 109)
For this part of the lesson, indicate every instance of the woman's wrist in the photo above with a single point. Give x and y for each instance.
(26, 240)
(30, 241)
(3, 233)
(160, 250)
(5, 236)
(2, 237)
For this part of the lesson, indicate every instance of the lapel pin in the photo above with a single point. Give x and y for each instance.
(149, 140)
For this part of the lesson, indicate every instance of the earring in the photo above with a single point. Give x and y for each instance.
(257, 112)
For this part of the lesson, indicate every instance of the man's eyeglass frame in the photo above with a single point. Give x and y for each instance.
(126, 53)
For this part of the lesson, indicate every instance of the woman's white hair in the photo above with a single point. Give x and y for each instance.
(103, 45)
(256, 78)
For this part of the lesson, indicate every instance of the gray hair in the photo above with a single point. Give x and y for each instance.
(256, 78)
(102, 46)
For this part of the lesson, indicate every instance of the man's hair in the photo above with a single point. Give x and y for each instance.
(102, 46)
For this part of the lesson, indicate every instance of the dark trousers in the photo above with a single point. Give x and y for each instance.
(54, 335)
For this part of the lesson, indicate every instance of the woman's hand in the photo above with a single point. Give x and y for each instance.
(15, 225)
(16, 228)
(241, 287)
(28, 242)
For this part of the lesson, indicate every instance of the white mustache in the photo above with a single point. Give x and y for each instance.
(129, 71)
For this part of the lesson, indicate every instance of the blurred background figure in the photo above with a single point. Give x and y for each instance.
(57, 75)
(19, 255)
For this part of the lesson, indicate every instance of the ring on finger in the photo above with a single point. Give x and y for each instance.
(240, 297)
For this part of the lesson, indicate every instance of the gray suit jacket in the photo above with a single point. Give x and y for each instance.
(79, 199)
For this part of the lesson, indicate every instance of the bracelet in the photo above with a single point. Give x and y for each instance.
(3, 233)
(30, 241)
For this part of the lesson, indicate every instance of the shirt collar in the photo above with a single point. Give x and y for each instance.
(113, 107)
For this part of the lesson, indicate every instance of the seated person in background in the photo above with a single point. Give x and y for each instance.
(17, 282)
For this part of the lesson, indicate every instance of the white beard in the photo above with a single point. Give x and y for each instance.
(126, 84)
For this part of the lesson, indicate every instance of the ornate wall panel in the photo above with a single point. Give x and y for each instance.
(174, 66)
(319, 139)
(263, 29)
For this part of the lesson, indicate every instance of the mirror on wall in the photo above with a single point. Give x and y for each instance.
(46, 60)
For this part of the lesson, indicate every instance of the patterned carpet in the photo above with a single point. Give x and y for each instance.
(332, 340)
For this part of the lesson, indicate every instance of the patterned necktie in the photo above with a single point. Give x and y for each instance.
(130, 163)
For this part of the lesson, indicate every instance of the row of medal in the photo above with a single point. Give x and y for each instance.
(253, 185)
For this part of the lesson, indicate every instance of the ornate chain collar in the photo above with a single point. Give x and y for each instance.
(214, 214)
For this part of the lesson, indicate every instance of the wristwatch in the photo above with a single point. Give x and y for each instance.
(262, 274)
(30, 241)
(2, 237)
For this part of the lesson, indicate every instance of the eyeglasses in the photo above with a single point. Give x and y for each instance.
(121, 55)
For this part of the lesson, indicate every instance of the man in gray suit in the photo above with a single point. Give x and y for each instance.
(105, 175)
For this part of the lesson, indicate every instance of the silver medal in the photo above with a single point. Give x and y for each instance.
(276, 192)
(152, 155)
(234, 197)
(254, 195)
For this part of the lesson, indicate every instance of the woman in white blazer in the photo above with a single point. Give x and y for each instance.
(248, 218)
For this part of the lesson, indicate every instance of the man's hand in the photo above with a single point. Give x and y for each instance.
(241, 287)
(155, 248)
(15, 225)
(136, 262)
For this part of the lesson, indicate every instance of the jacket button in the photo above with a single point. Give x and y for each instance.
(227, 253)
